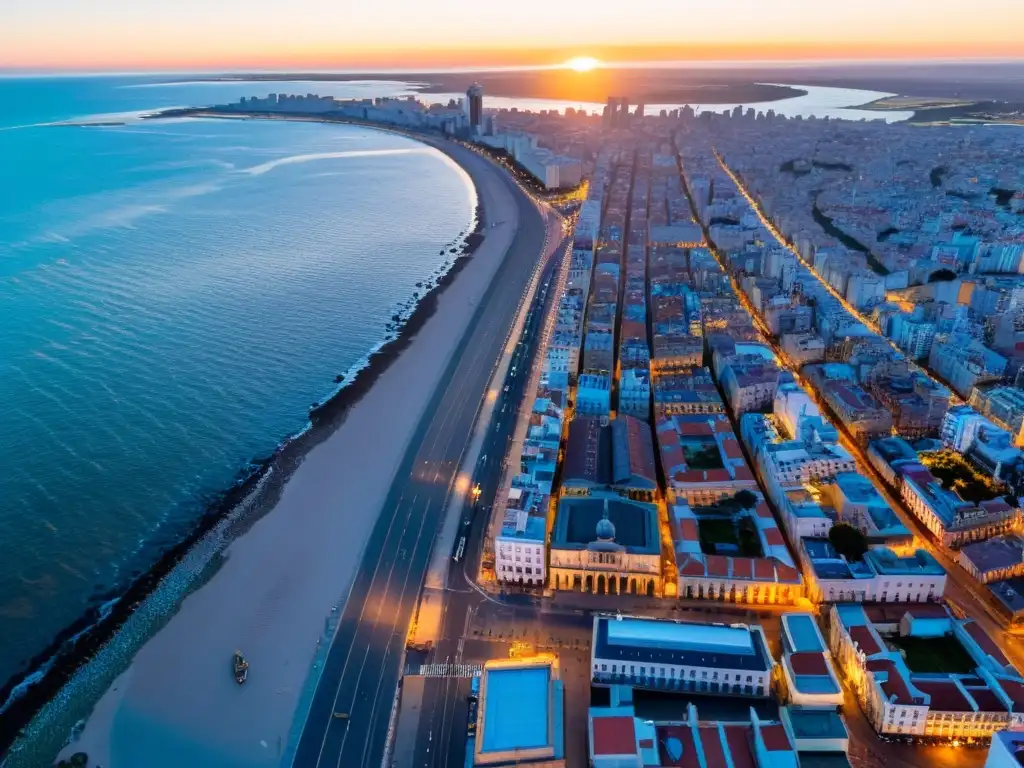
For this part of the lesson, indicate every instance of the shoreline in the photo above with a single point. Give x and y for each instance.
(48, 672)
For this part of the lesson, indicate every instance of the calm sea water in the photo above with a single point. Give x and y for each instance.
(174, 296)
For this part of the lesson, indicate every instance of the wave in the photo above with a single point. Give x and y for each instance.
(258, 170)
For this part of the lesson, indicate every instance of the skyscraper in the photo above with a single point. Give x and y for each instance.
(475, 107)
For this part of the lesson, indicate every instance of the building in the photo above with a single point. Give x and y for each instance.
(1004, 405)
(593, 394)
(858, 502)
(964, 363)
(882, 576)
(701, 458)
(951, 519)
(606, 545)
(519, 549)
(761, 572)
(618, 738)
(663, 654)
(926, 675)
(960, 427)
(609, 456)
(749, 384)
(995, 559)
(806, 667)
(803, 348)
(520, 716)
(475, 107)
(1006, 750)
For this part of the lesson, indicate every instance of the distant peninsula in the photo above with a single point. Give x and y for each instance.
(650, 86)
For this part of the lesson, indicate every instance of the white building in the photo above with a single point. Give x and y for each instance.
(520, 551)
(681, 656)
(806, 667)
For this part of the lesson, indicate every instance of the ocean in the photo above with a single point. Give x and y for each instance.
(174, 297)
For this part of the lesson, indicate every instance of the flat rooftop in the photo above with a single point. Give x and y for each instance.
(516, 708)
(636, 523)
(681, 643)
(679, 636)
(803, 633)
(816, 723)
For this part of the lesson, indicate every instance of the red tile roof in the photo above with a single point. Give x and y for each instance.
(688, 529)
(986, 700)
(714, 753)
(862, 636)
(775, 738)
(762, 510)
(774, 537)
(987, 644)
(808, 663)
(689, 757)
(692, 567)
(614, 736)
(895, 687)
(732, 449)
(1015, 691)
(742, 568)
(764, 569)
(946, 697)
(717, 565)
(738, 739)
(785, 572)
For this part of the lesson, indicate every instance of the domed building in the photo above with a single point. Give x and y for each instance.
(607, 545)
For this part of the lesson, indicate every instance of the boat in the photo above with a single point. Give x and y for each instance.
(241, 667)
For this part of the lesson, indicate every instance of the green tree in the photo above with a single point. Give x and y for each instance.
(848, 541)
(746, 499)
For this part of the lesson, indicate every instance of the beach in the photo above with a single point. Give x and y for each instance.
(177, 702)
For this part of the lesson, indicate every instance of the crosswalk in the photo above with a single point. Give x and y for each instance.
(450, 670)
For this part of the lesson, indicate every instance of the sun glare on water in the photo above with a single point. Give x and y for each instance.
(582, 63)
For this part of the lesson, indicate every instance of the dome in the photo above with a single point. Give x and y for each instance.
(605, 530)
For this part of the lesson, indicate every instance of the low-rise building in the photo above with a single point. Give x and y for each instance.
(929, 676)
(951, 519)
(618, 738)
(663, 654)
(803, 348)
(806, 667)
(520, 716)
(858, 502)
(520, 549)
(606, 545)
(882, 576)
(702, 458)
(609, 456)
(995, 559)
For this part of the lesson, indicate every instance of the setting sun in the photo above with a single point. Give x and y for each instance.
(582, 63)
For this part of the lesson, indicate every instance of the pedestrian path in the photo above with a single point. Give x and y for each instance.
(451, 670)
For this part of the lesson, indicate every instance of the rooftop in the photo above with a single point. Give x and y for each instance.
(816, 723)
(515, 708)
(995, 554)
(683, 643)
(635, 523)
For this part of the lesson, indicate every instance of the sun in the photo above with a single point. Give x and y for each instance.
(582, 63)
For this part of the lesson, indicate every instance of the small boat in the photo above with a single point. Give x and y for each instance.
(241, 667)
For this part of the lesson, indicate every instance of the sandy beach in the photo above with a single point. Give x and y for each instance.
(177, 703)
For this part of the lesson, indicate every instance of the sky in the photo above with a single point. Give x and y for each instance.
(122, 35)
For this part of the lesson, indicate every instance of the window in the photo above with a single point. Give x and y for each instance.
(604, 667)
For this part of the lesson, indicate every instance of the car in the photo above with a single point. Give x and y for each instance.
(341, 715)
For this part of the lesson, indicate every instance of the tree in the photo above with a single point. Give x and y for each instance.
(746, 499)
(848, 541)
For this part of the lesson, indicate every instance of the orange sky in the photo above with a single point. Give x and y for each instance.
(393, 34)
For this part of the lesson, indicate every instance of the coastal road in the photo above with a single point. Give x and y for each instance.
(442, 728)
(361, 671)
